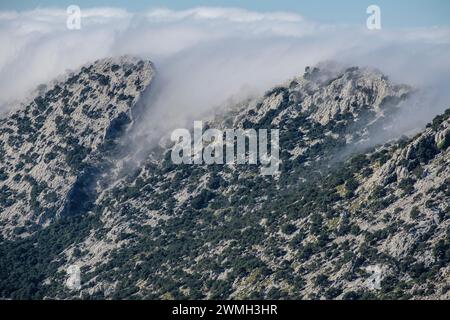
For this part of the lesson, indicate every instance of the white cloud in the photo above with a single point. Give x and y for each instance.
(206, 55)
(228, 14)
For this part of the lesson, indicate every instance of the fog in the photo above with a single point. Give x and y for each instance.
(207, 57)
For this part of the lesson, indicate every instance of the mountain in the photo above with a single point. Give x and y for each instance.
(51, 145)
(348, 216)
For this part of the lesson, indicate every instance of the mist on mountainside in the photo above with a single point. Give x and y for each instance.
(207, 58)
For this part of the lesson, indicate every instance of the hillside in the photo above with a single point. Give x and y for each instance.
(345, 218)
(54, 143)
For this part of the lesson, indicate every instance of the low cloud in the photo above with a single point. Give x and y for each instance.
(207, 56)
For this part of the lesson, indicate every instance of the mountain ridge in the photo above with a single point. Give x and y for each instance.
(78, 117)
(374, 224)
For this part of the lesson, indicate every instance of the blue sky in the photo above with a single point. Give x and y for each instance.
(395, 13)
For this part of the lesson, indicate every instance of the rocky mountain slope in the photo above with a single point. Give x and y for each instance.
(343, 219)
(51, 145)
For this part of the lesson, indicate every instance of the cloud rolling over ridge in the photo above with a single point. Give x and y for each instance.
(205, 56)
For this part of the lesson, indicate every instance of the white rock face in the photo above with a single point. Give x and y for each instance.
(377, 274)
(442, 138)
(73, 281)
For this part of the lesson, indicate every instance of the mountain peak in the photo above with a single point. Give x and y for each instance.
(47, 143)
